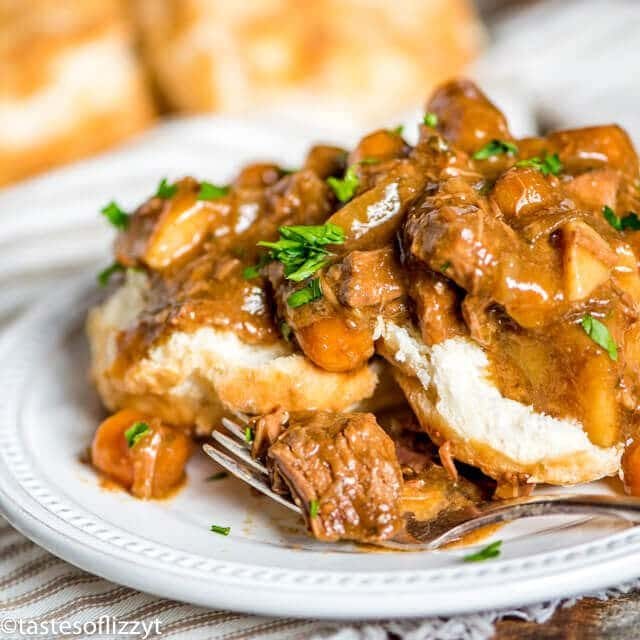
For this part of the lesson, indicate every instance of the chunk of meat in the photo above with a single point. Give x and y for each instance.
(486, 257)
(342, 471)
(266, 430)
(326, 161)
(437, 306)
(466, 117)
(595, 189)
(606, 146)
(152, 466)
(370, 278)
(379, 146)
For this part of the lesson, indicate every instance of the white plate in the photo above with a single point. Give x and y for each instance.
(48, 412)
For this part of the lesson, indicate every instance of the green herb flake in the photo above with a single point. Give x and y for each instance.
(223, 531)
(496, 148)
(491, 551)
(430, 119)
(629, 222)
(599, 333)
(444, 266)
(312, 291)
(166, 190)
(314, 508)
(286, 331)
(302, 249)
(115, 215)
(210, 191)
(369, 161)
(549, 165)
(248, 435)
(105, 275)
(135, 433)
(221, 475)
(346, 187)
(397, 131)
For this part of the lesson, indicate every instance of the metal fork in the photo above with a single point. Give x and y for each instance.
(233, 453)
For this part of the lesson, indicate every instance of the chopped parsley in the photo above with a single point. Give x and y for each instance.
(496, 148)
(445, 265)
(166, 190)
(221, 475)
(312, 291)
(210, 191)
(135, 433)
(346, 187)
(286, 330)
(430, 119)
(115, 215)
(491, 551)
(369, 161)
(248, 435)
(599, 333)
(550, 164)
(105, 275)
(314, 508)
(630, 221)
(397, 131)
(301, 249)
(223, 531)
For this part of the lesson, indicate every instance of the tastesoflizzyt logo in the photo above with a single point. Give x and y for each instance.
(104, 626)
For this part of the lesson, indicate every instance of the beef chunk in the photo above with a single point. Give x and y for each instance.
(343, 471)
(370, 278)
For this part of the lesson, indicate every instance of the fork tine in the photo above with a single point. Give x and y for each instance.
(240, 471)
(235, 429)
(243, 418)
(239, 451)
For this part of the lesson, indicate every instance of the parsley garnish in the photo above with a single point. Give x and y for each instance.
(397, 131)
(495, 148)
(445, 265)
(492, 551)
(314, 508)
(223, 531)
(105, 275)
(630, 221)
(210, 191)
(166, 190)
(346, 187)
(115, 215)
(248, 435)
(221, 475)
(369, 161)
(301, 249)
(135, 432)
(430, 119)
(313, 291)
(286, 330)
(550, 164)
(599, 333)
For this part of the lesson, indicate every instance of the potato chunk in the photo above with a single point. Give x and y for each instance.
(597, 382)
(587, 260)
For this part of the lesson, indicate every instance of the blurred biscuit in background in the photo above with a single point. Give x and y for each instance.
(70, 83)
(349, 63)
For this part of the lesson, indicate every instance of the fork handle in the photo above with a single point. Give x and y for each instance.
(624, 507)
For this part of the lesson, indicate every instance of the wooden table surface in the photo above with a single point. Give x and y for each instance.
(589, 619)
